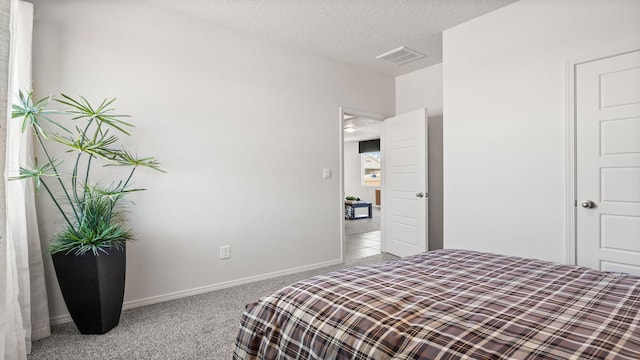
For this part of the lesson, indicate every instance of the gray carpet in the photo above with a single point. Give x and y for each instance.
(198, 327)
(359, 226)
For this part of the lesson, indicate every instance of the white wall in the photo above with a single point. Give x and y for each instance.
(243, 127)
(420, 89)
(423, 89)
(352, 174)
(505, 97)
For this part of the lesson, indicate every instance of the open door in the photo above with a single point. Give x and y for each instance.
(405, 184)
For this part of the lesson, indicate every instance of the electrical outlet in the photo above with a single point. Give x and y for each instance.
(225, 252)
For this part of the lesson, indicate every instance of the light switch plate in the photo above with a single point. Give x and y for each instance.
(225, 252)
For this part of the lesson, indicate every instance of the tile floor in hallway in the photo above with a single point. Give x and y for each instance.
(362, 245)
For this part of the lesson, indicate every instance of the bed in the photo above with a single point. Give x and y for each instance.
(448, 304)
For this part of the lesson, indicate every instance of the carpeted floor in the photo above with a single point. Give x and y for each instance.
(198, 327)
(359, 226)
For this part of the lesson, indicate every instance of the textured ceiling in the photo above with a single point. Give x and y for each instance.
(352, 31)
(364, 129)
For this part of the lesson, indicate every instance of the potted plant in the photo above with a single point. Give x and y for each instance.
(89, 252)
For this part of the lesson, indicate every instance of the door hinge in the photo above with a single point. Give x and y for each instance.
(575, 203)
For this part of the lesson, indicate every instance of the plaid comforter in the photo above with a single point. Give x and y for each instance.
(448, 304)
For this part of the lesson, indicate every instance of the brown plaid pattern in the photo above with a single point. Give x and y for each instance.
(448, 304)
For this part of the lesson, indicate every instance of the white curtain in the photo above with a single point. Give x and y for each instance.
(26, 309)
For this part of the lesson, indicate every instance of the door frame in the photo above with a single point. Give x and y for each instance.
(371, 115)
(571, 200)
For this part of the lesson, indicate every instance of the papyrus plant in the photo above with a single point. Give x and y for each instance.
(91, 208)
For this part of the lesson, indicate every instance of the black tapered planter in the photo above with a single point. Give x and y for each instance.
(93, 288)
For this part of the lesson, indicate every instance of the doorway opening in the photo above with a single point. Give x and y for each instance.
(361, 183)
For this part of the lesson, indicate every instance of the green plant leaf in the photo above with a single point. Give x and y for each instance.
(36, 173)
(84, 110)
(98, 227)
(32, 113)
(99, 147)
(125, 158)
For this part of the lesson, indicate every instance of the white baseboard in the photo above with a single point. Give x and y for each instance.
(60, 319)
(65, 318)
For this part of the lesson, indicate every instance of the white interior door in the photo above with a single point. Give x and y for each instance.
(608, 163)
(404, 183)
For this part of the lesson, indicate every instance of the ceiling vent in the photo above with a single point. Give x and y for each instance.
(401, 55)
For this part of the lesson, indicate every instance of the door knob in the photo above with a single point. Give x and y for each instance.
(421, 195)
(588, 204)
